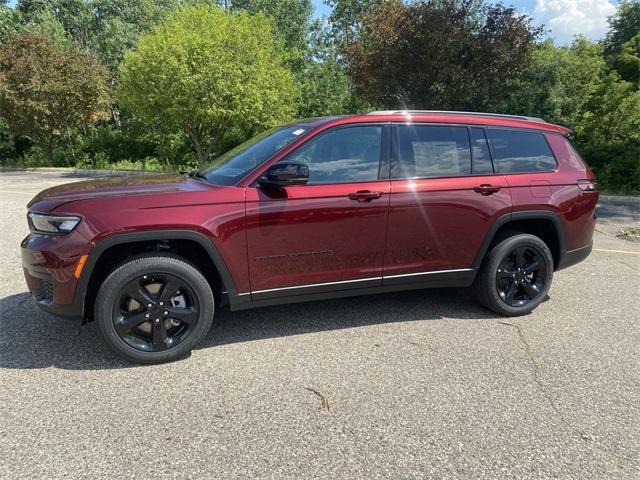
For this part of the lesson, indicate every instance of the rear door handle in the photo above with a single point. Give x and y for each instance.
(364, 195)
(486, 189)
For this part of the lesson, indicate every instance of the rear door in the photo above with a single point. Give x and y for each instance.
(444, 198)
(330, 233)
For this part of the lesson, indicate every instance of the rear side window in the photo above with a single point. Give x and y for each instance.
(518, 151)
(345, 155)
(433, 151)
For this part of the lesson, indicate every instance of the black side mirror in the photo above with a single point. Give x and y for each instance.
(285, 174)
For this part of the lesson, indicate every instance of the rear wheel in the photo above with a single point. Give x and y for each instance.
(516, 275)
(154, 309)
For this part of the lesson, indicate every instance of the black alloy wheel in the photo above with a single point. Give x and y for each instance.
(155, 312)
(521, 276)
(154, 308)
(516, 274)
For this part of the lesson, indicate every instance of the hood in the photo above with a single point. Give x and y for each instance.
(53, 197)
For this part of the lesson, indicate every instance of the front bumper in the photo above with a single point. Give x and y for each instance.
(50, 276)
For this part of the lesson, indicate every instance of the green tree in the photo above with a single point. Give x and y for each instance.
(291, 19)
(46, 92)
(558, 83)
(622, 43)
(627, 62)
(346, 15)
(611, 114)
(623, 25)
(325, 87)
(9, 22)
(205, 72)
(439, 54)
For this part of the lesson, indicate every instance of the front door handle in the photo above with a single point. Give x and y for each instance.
(486, 189)
(364, 195)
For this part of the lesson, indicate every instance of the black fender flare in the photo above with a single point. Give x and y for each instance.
(147, 235)
(515, 216)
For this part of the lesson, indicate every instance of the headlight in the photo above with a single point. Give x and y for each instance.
(51, 224)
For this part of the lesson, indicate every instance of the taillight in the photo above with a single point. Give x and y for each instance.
(587, 185)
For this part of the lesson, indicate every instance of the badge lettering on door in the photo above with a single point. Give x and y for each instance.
(314, 253)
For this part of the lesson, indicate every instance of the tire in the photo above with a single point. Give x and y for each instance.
(154, 309)
(509, 267)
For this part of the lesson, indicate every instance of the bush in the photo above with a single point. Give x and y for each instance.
(114, 145)
(617, 166)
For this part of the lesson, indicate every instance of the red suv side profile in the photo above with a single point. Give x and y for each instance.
(320, 208)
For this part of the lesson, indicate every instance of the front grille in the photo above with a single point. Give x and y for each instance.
(45, 292)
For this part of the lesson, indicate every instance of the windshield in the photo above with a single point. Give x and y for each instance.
(230, 167)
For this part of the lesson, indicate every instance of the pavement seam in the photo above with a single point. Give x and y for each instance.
(535, 370)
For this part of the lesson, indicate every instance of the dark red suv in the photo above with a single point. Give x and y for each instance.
(320, 208)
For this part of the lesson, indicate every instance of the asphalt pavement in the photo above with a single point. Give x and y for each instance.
(422, 384)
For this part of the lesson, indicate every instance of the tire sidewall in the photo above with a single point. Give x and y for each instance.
(111, 290)
(489, 293)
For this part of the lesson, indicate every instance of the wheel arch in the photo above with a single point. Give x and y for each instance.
(544, 224)
(113, 250)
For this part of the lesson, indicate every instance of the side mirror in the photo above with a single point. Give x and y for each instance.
(285, 174)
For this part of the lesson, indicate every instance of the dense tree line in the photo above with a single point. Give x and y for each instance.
(169, 84)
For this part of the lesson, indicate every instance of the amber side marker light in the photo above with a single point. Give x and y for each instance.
(80, 266)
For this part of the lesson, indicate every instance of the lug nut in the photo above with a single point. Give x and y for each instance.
(161, 303)
(146, 316)
(165, 313)
(149, 305)
(157, 320)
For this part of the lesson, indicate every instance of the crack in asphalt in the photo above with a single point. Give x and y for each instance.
(324, 401)
(535, 370)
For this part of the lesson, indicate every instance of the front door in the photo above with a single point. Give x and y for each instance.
(444, 199)
(329, 234)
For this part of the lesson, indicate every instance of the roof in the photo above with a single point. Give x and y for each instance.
(442, 116)
(453, 112)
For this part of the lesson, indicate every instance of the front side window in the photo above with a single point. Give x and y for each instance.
(345, 155)
(427, 151)
(232, 166)
(518, 151)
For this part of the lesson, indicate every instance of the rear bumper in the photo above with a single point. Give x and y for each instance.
(571, 257)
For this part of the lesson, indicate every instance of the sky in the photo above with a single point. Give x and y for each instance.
(564, 18)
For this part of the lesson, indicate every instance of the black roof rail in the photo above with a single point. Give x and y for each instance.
(453, 112)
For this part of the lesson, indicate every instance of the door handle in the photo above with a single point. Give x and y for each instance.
(364, 195)
(486, 189)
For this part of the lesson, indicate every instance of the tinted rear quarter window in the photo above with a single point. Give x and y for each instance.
(517, 151)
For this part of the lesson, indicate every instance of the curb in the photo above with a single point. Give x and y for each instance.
(619, 198)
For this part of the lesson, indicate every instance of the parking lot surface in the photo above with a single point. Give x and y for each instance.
(422, 384)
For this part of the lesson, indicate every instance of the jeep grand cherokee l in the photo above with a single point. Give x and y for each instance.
(320, 208)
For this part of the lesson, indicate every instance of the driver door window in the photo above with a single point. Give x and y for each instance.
(346, 155)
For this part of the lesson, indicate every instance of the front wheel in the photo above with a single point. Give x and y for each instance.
(154, 309)
(516, 275)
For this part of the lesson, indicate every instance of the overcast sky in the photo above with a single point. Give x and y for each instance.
(564, 18)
